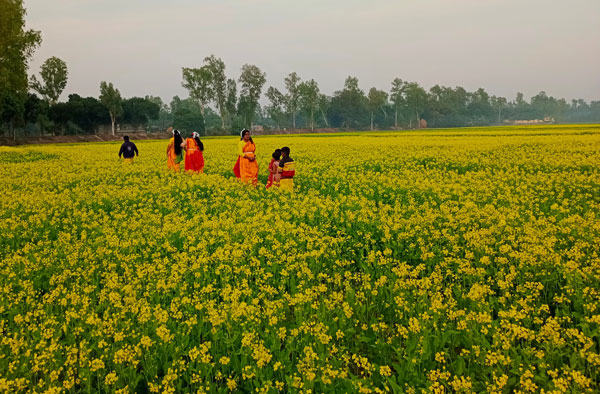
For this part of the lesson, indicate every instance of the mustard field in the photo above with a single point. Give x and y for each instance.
(463, 260)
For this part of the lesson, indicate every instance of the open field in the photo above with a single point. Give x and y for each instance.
(462, 260)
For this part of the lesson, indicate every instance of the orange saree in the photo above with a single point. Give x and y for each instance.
(248, 169)
(172, 158)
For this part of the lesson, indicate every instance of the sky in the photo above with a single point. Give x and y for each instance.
(504, 46)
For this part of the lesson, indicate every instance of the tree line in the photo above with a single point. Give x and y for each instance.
(220, 104)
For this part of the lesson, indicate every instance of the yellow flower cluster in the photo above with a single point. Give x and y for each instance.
(465, 260)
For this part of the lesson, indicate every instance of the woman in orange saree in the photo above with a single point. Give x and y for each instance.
(246, 168)
(175, 151)
(194, 159)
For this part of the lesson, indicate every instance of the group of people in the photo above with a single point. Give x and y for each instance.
(193, 148)
(281, 168)
(190, 151)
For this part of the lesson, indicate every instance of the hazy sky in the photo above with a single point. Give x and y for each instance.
(504, 46)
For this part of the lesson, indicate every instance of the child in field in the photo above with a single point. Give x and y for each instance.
(273, 167)
(286, 170)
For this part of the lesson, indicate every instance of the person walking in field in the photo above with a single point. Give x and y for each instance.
(175, 151)
(246, 167)
(194, 159)
(273, 168)
(286, 170)
(128, 150)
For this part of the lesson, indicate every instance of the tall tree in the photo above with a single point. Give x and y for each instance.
(397, 97)
(351, 84)
(278, 102)
(293, 95)
(111, 99)
(54, 75)
(416, 99)
(377, 99)
(198, 82)
(480, 108)
(499, 103)
(216, 66)
(348, 106)
(309, 95)
(521, 107)
(324, 103)
(252, 80)
(231, 100)
(16, 48)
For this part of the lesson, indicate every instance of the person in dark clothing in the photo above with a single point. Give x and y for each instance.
(128, 150)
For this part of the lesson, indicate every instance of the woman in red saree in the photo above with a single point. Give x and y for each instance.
(194, 159)
(274, 168)
(246, 168)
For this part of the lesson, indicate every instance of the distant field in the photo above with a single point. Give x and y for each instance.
(462, 260)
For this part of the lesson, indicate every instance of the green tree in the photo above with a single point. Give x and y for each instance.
(276, 109)
(348, 106)
(216, 66)
(479, 108)
(111, 99)
(231, 101)
(36, 111)
(308, 99)
(54, 76)
(16, 48)
(377, 99)
(187, 115)
(324, 104)
(198, 82)
(252, 80)
(547, 106)
(416, 99)
(447, 107)
(164, 114)
(499, 104)
(139, 111)
(292, 82)
(397, 98)
(78, 115)
(521, 108)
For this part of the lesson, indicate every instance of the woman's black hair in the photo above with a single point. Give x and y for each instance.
(244, 133)
(277, 154)
(177, 141)
(199, 143)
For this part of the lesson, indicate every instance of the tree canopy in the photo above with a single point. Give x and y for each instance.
(54, 76)
(111, 99)
(16, 48)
